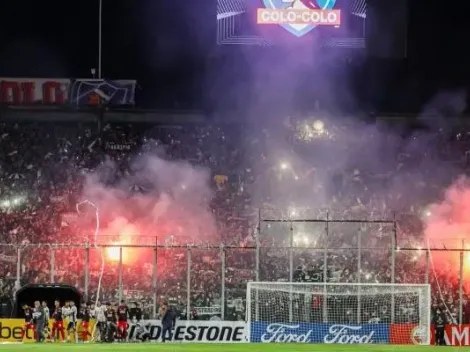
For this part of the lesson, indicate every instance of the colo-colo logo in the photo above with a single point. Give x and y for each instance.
(343, 334)
(202, 333)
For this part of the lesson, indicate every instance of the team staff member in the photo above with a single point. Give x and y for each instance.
(168, 321)
(47, 317)
(440, 321)
(40, 320)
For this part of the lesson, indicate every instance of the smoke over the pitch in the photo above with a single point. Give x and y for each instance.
(156, 199)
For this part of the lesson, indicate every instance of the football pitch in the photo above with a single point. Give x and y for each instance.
(214, 348)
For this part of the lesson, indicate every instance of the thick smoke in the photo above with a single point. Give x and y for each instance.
(156, 199)
(344, 149)
(447, 227)
(410, 169)
(446, 219)
(449, 220)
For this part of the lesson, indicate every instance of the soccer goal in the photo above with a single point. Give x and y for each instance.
(338, 313)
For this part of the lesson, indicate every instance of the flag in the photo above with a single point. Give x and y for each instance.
(115, 93)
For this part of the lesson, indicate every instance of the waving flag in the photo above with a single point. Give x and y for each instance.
(92, 91)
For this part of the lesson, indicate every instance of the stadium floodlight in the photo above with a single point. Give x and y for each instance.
(341, 313)
(100, 36)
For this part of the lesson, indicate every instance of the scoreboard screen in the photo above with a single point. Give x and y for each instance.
(328, 23)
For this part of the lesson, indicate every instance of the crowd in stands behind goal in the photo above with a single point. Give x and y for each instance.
(246, 174)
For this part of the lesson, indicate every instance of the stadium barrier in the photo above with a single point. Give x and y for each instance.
(320, 333)
(209, 331)
(236, 332)
(405, 334)
(395, 334)
(223, 263)
(11, 329)
(185, 331)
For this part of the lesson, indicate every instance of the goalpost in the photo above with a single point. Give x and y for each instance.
(338, 313)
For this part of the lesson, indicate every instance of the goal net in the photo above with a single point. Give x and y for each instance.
(338, 313)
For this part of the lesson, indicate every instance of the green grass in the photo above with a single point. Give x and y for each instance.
(215, 348)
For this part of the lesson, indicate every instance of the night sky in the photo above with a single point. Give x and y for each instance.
(167, 45)
(151, 41)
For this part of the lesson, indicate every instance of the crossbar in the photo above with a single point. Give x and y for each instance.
(390, 222)
(350, 284)
(410, 249)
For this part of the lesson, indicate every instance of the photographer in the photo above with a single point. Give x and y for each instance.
(135, 314)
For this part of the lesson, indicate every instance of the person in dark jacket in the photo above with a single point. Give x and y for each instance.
(440, 321)
(168, 321)
(299, 275)
(40, 321)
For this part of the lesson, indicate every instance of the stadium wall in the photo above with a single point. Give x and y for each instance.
(185, 331)
(395, 334)
(10, 330)
(236, 332)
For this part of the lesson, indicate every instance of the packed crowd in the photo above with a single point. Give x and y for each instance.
(42, 167)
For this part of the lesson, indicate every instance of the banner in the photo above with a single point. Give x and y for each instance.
(196, 331)
(408, 334)
(320, 333)
(119, 147)
(80, 92)
(214, 310)
(11, 330)
(24, 91)
(8, 258)
(113, 93)
(235, 332)
(185, 331)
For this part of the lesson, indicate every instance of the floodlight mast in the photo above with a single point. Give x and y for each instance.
(100, 20)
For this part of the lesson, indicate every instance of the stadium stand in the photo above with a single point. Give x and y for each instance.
(35, 198)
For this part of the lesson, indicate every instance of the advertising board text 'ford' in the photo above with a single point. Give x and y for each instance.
(319, 333)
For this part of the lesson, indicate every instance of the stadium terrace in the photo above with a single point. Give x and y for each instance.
(47, 240)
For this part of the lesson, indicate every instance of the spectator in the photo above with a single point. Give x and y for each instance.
(42, 170)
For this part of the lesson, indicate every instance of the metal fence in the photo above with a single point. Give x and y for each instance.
(211, 280)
